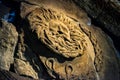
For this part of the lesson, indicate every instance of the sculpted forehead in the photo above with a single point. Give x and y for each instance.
(58, 31)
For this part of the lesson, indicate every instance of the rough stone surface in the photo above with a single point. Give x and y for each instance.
(57, 29)
(105, 13)
(8, 40)
(57, 41)
(7, 75)
(26, 62)
(105, 54)
(24, 68)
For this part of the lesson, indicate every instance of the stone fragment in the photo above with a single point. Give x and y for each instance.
(8, 41)
(24, 68)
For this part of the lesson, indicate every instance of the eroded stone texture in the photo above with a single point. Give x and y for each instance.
(26, 62)
(7, 75)
(8, 40)
(105, 54)
(24, 68)
(66, 45)
(80, 67)
(105, 13)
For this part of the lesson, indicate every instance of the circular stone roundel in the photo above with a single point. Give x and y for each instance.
(59, 32)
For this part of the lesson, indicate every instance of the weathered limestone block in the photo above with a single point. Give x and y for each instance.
(8, 40)
(67, 46)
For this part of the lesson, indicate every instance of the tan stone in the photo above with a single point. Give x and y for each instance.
(24, 68)
(60, 29)
(8, 41)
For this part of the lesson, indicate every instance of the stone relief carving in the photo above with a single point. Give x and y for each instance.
(59, 32)
(56, 42)
(66, 45)
(63, 35)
